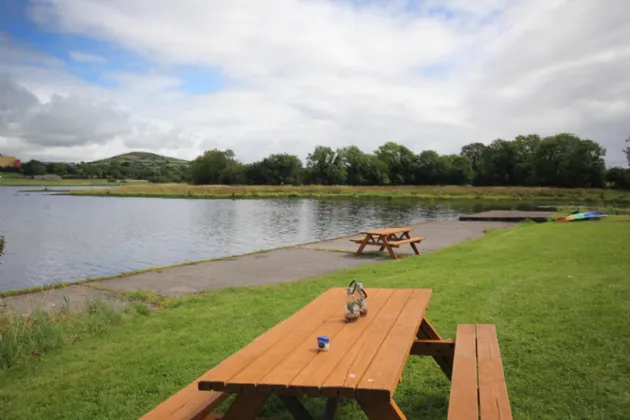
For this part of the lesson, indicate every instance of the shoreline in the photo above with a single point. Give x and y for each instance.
(287, 264)
(330, 196)
(54, 286)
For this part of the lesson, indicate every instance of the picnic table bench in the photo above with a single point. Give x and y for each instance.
(387, 239)
(365, 363)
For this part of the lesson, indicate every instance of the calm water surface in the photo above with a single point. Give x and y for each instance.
(52, 239)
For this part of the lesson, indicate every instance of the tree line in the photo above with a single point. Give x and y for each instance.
(562, 160)
(159, 172)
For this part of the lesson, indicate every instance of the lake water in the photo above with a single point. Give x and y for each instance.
(53, 238)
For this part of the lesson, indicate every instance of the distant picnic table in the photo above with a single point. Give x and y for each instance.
(388, 239)
(365, 363)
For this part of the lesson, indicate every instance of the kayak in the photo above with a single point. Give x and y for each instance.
(591, 215)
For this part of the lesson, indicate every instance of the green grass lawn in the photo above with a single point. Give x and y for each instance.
(559, 294)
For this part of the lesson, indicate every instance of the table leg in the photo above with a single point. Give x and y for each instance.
(381, 410)
(406, 235)
(331, 408)
(389, 248)
(363, 244)
(428, 332)
(245, 407)
(295, 407)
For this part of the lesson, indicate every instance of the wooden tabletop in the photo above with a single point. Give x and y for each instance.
(366, 358)
(388, 231)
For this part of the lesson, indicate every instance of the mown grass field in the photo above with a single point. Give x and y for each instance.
(433, 192)
(557, 292)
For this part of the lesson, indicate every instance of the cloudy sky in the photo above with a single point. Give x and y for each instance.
(87, 79)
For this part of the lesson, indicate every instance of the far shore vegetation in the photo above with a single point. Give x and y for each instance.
(564, 195)
(561, 316)
(563, 160)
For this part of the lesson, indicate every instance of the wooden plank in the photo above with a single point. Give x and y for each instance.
(463, 400)
(405, 241)
(493, 396)
(348, 373)
(427, 331)
(382, 377)
(310, 379)
(279, 378)
(217, 377)
(245, 407)
(187, 404)
(432, 347)
(381, 410)
(387, 231)
(253, 374)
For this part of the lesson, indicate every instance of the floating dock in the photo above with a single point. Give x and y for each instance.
(507, 216)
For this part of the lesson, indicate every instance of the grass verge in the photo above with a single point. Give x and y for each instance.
(557, 292)
(35, 334)
(421, 192)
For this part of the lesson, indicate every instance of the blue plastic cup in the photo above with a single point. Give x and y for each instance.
(323, 342)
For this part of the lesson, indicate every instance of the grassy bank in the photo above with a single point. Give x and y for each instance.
(558, 294)
(27, 182)
(433, 192)
(25, 337)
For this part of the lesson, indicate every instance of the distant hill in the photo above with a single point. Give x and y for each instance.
(143, 158)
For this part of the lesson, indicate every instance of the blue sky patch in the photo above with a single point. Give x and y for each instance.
(15, 22)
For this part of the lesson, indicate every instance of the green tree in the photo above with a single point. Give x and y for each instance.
(427, 168)
(400, 162)
(34, 167)
(475, 152)
(1, 246)
(216, 167)
(455, 170)
(524, 149)
(57, 168)
(565, 160)
(627, 151)
(326, 167)
(618, 178)
(280, 169)
(376, 171)
(363, 168)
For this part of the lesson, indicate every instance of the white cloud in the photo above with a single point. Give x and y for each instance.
(83, 57)
(432, 75)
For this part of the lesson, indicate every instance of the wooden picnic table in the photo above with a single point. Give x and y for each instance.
(387, 239)
(365, 363)
(365, 360)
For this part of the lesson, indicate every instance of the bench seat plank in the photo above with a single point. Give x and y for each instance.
(187, 404)
(396, 244)
(463, 399)
(478, 389)
(493, 396)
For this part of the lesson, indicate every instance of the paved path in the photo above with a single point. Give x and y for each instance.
(275, 266)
